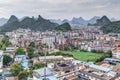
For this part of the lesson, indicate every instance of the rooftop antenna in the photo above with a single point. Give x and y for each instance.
(45, 63)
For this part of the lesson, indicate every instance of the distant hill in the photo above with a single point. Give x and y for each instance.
(76, 21)
(39, 24)
(13, 19)
(101, 22)
(59, 21)
(113, 27)
(64, 27)
(113, 19)
(3, 21)
(79, 20)
(65, 21)
(93, 20)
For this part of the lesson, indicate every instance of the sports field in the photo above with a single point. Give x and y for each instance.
(85, 56)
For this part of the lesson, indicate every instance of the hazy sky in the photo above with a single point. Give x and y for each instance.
(62, 9)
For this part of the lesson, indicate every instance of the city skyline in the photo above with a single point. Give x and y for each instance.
(54, 9)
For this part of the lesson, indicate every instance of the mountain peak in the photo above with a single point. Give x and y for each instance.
(93, 19)
(40, 17)
(105, 18)
(103, 21)
(80, 18)
(96, 17)
(3, 21)
(65, 21)
(13, 19)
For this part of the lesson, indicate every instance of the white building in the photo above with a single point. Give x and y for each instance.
(39, 74)
(49, 41)
(1, 59)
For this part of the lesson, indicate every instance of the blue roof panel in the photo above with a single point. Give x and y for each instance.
(25, 64)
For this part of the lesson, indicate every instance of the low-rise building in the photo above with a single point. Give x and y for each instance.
(40, 74)
(22, 59)
(116, 53)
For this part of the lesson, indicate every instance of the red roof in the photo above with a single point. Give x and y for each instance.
(100, 63)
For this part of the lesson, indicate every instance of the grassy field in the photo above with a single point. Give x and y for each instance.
(85, 56)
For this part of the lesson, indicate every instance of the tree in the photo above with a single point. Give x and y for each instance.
(66, 48)
(94, 51)
(6, 59)
(16, 68)
(3, 47)
(30, 63)
(37, 66)
(23, 75)
(41, 53)
(109, 53)
(32, 44)
(30, 51)
(19, 51)
(6, 41)
(1, 44)
(30, 73)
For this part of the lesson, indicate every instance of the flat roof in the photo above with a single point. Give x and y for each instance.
(112, 59)
(77, 61)
(20, 56)
(41, 71)
(50, 57)
(100, 68)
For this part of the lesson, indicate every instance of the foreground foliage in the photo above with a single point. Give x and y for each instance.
(6, 59)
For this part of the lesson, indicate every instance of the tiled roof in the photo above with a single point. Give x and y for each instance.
(116, 70)
(116, 50)
(100, 63)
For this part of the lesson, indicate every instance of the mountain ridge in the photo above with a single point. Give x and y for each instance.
(39, 24)
(76, 21)
(3, 21)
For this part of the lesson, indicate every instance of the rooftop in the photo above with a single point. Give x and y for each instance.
(51, 57)
(25, 64)
(20, 56)
(41, 72)
(100, 68)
